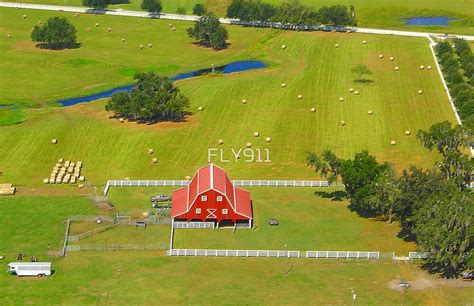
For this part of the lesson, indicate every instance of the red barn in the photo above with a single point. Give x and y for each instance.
(211, 197)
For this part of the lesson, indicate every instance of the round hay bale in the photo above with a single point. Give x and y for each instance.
(82, 179)
(268, 139)
(140, 46)
(341, 99)
(58, 165)
(244, 101)
(200, 108)
(150, 45)
(313, 109)
(187, 177)
(364, 42)
(80, 186)
(429, 67)
(52, 181)
(9, 36)
(170, 25)
(336, 46)
(300, 97)
(420, 92)
(351, 89)
(356, 92)
(154, 160)
(220, 141)
(256, 134)
(150, 151)
(61, 160)
(54, 141)
(283, 46)
(422, 67)
(380, 56)
(123, 39)
(121, 120)
(24, 16)
(173, 29)
(40, 22)
(45, 181)
(393, 143)
(248, 145)
(397, 68)
(407, 133)
(370, 113)
(127, 179)
(96, 24)
(109, 29)
(392, 58)
(343, 123)
(283, 85)
(145, 214)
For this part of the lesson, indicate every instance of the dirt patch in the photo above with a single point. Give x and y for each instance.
(423, 283)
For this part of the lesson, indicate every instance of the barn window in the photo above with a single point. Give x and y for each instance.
(225, 211)
(198, 210)
(204, 198)
(219, 199)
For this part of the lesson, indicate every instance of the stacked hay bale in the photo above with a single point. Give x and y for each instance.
(65, 172)
(7, 189)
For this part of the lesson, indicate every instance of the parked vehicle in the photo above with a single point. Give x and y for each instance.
(468, 275)
(160, 198)
(30, 268)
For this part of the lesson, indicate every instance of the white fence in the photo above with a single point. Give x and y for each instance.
(343, 254)
(233, 253)
(257, 183)
(417, 255)
(182, 224)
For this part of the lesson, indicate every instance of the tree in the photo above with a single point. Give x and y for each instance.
(249, 10)
(209, 32)
(97, 4)
(296, 13)
(152, 6)
(361, 70)
(384, 194)
(199, 9)
(443, 48)
(444, 229)
(328, 165)
(154, 98)
(352, 13)
(336, 15)
(181, 11)
(56, 33)
(450, 142)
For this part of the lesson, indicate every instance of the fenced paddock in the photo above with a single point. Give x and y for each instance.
(241, 183)
(233, 253)
(116, 247)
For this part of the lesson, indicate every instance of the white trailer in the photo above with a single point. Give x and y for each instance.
(30, 268)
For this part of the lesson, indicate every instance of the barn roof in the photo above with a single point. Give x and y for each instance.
(208, 178)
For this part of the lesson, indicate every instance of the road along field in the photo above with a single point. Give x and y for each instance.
(384, 14)
(310, 66)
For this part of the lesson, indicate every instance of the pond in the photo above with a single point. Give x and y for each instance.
(225, 69)
(428, 21)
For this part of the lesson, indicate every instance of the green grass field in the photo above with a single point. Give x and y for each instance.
(376, 14)
(310, 66)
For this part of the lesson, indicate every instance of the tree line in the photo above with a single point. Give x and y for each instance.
(458, 69)
(434, 207)
(291, 12)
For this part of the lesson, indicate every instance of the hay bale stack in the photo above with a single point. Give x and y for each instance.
(45, 181)
(150, 151)
(248, 145)
(407, 133)
(244, 101)
(370, 113)
(154, 160)
(220, 141)
(380, 56)
(356, 92)
(300, 97)
(313, 109)
(392, 58)
(351, 89)
(422, 67)
(268, 139)
(283, 85)
(343, 123)
(54, 141)
(341, 99)
(393, 143)
(397, 68)
(52, 181)
(200, 108)
(420, 92)
(256, 134)
(283, 46)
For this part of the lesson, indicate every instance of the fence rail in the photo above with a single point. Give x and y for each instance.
(178, 183)
(233, 253)
(91, 232)
(182, 224)
(116, 247)
(343, 254)
(417, 255)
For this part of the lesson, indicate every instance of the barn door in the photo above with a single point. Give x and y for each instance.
(211, 213)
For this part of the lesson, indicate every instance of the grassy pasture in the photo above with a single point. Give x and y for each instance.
(310, 66)
(29, 224)
(376, 14)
